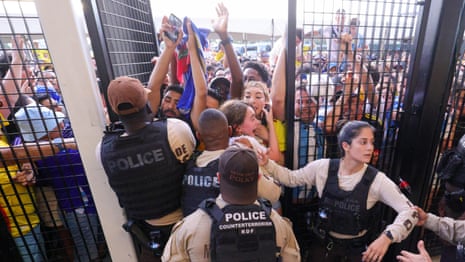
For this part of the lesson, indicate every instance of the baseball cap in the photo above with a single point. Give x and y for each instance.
(126, 95)
(36, 121)
(238, 167)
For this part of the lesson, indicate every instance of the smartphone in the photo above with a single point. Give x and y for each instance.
(267, 107)
(176, 24)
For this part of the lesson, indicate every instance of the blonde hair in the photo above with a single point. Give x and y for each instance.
(260, 85)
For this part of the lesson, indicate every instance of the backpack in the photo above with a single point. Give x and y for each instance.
(241, 233)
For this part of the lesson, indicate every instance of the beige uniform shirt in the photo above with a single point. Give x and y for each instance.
(190, 239)
(267, 186)
(182, 144)
(382, 189)
(446, 228)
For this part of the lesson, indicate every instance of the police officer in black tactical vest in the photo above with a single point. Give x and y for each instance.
(234, 226)
(145, 165)
(451, 172)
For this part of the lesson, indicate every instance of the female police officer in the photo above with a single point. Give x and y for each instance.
(349, 189)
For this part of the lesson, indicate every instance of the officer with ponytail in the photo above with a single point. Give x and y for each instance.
(350, 190)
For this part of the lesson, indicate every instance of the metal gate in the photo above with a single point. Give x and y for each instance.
(410, 49)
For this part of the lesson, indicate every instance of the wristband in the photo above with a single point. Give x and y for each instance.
(226, 41)
(389, 235)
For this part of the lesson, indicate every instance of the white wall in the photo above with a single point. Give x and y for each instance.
(64, 28)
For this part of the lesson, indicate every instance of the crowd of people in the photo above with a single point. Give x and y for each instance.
(47, 208)
(237, 113)
(199, 166)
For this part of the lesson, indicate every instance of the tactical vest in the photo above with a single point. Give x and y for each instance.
(241, 233)
(143, 171)
(345, 212)
(199, 183)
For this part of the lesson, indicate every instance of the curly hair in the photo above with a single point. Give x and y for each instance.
(261, 69)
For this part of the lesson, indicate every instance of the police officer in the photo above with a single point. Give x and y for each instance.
(238, 175)
(451, 172)
(349, 189)
(145, 164)
(200, 181)
(453, 231)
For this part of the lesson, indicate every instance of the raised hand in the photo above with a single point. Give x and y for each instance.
(166, 27)
(191, 42)
(220, 24)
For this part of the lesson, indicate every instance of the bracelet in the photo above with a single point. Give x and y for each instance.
(226, 41)
(389, 235)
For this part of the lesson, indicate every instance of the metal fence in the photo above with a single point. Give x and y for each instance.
(51, 212)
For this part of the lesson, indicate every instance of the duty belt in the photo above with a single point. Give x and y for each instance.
(351, 243)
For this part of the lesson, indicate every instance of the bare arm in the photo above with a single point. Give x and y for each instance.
(198, 73)
(278, 87)
(11, 84)
(272, 140)
(32, 151)
(162, 66)
(366, 82)
(334, 114)
(173, 71)
(220, 25)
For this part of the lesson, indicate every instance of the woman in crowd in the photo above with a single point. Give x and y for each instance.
(241, 118)
(256, 94)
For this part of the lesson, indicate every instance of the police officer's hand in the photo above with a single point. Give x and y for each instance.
(262, 157)
(406, 256)
(377, 249)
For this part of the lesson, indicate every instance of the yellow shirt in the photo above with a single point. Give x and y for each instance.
(3, 137)
(17, 201)
(280, 130)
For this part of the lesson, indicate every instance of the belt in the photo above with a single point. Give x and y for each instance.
(351, 243)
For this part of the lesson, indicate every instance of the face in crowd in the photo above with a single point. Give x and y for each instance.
(169, 104)
(241, 117)
(305, 106)
(250, 123)
(251, 74)
(256, 95)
